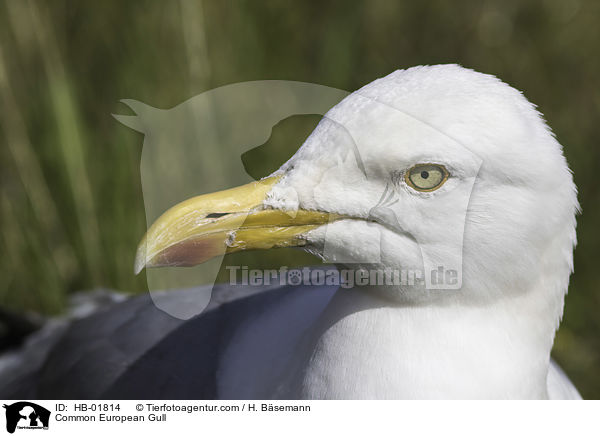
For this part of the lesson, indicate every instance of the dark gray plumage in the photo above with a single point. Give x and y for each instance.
(133, 350)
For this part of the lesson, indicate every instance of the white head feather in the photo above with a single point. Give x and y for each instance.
(511, 192)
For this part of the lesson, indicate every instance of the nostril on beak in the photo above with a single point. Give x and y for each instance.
(217, 214)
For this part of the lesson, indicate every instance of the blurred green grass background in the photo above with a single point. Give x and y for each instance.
(71, 204)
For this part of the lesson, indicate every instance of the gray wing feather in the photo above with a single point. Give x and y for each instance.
(130, 349)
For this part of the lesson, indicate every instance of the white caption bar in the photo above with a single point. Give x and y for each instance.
(300, 417)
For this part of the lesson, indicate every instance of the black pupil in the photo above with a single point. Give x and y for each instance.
(424, 174)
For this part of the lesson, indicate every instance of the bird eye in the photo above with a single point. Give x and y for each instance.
(426, 177)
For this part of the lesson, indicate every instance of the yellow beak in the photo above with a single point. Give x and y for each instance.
(206, 226)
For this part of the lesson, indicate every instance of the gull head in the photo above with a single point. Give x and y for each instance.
(439, 170)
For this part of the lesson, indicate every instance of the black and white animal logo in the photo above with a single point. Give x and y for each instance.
(26, 415)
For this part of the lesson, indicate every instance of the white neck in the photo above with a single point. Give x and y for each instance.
(357, 345)
(362, 347)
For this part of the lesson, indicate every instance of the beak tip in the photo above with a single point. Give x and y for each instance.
(140, 259)
(138, 267)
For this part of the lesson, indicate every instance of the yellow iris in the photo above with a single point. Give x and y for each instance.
(426, 177)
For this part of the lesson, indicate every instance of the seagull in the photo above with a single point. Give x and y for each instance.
(426, 168)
